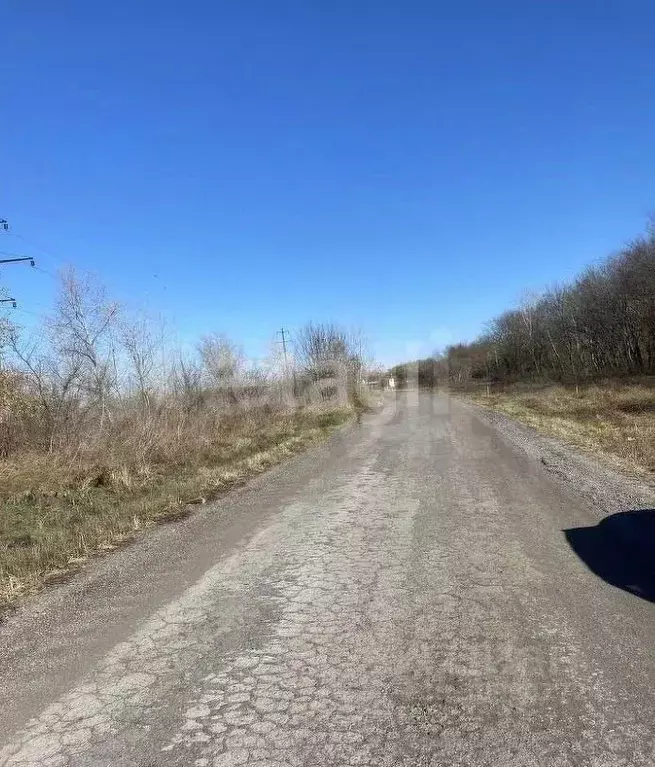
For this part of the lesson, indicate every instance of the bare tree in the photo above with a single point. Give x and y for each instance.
(82, 332)
(142, 342)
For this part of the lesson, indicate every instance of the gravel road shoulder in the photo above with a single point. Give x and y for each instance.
(608, 491)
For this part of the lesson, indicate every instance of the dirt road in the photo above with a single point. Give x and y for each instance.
(423, 590)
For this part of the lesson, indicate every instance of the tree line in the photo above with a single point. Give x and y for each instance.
(598, 326)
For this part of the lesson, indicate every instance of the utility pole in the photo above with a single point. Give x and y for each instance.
(4, 226)
(284, 333)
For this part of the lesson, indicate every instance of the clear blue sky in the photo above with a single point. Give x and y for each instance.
(405, 167)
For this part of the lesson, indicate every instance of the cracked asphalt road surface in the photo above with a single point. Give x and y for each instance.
(403, 595)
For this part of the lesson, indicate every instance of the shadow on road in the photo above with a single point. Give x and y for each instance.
(621, 550)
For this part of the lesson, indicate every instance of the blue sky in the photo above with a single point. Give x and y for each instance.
(408, 168)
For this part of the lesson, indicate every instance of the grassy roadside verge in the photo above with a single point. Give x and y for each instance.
(57, 513)
(613, 420)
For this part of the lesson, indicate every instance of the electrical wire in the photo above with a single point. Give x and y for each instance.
(45, 271)
(38, 247)
(17, 255)
(27, 311)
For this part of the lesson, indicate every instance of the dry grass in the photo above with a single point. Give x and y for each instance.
(60, 509)
(615, 420)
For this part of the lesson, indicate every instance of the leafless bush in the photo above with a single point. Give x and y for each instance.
(330, 360)
(222, 359)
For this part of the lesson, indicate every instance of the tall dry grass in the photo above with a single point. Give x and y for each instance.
(61, 508)
(105, 431)
(612, 419)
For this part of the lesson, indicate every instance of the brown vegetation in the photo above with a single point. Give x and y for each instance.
(614, 420)
(105, 430)
(60, 508)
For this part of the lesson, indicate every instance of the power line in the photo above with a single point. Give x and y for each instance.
(15, 257)
(4, 225)
(12, 258)
(45, 271)
(33, 314)
(38, 247)
(10, 253)
(22, 257)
